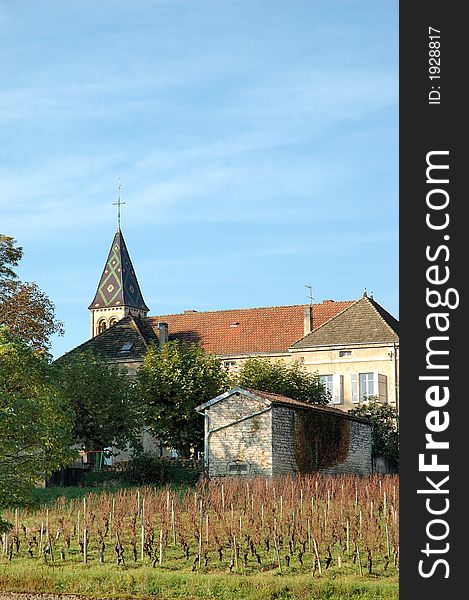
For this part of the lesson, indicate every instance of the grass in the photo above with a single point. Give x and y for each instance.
(48, 495)
(110, 581)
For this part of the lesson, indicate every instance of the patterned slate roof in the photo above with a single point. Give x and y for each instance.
(127, 340)
(118, 285)
(363, 322)
(246, 330)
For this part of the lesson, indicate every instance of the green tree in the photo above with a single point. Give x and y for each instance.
(35, 423)
(103, 399)
(172, 382)
(288, 379)
(24, 309)
(384, 434)
(10, 256)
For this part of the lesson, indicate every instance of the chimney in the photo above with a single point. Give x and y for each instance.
(308, 319)
(163, 333)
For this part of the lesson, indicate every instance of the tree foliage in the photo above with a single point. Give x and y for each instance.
(172, 382)
(288, 379)
(35, 422)
(24, 309)
(103, 398)
(384, 434)
(10, 256)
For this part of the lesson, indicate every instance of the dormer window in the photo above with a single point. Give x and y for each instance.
(126, 347)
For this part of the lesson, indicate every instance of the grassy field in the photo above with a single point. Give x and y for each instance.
(109, 581)
(305, 538)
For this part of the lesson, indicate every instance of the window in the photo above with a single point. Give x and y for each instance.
(343, 353)
(238, 468)
(368, 384)
(326, 381)
(334, 386)
(229, 364)
(102, 326)
(126, 347)
(112, 322)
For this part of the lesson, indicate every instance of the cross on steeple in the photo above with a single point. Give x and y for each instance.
(118, 204)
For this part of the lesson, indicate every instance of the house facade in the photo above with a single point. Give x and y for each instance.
(356, 354)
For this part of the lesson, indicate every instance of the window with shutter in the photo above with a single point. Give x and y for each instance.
(354, 388)
(327, 382)
(337, 389)
(382, 388)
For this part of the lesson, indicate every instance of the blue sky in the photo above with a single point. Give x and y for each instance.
(256, 142)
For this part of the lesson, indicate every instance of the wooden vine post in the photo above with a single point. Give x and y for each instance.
(142, 536)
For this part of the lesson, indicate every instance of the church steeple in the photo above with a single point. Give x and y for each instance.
(118, 293)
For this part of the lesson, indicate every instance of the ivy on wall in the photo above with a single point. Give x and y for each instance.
(321, 440)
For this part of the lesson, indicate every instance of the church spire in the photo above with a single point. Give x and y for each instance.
(118, 293)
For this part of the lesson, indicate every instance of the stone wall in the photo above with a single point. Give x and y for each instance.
(307, 441)
(248, 442)
(283, 453)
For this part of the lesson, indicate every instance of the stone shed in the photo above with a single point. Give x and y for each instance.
(248, 432)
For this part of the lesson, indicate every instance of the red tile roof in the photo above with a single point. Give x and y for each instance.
(247, 330)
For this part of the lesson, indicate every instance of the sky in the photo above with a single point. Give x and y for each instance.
(256, 142)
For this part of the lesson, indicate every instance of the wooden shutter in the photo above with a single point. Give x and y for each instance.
(382, 388)
(337, 389)
(354, 387)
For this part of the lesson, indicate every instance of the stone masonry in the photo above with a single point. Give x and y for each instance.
(246, 442)
(254, 433)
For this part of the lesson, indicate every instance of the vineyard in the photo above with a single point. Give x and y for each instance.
(306, 525)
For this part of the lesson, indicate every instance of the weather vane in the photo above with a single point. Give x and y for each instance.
(118, 204)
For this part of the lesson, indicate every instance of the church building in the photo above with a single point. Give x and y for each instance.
(352, 344)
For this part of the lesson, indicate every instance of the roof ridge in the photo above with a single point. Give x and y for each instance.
(200, 312)
(373, 302)
(134, 322)
(281, 398)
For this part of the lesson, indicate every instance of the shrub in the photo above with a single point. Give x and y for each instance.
(147, 468)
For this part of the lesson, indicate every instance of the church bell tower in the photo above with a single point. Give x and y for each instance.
(118, 293)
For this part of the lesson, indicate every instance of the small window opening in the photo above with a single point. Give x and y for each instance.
(126, 347)
(238, 468)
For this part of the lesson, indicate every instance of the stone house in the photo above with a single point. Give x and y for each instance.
(250, 433)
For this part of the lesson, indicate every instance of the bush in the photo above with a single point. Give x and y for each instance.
(101, 478)
(384, 434)
(149, 469)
